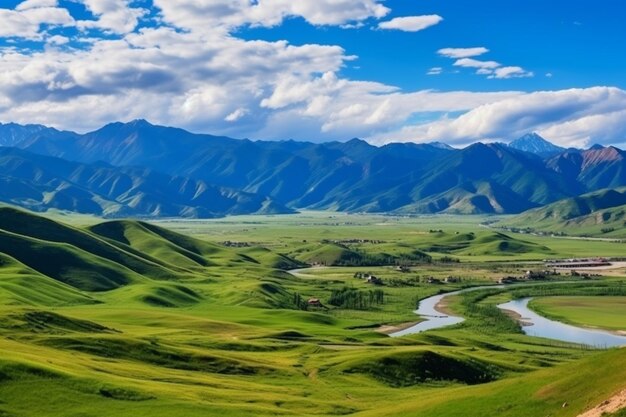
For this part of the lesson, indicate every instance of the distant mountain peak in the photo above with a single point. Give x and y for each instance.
(357, 141)
(596, 147)
(13, 134)
(140, 123)
(440, 145)
(534, 143)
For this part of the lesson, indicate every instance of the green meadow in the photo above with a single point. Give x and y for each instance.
(600, 312)
(211, 317)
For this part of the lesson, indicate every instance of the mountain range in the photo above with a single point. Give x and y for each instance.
(41, 182)
(140, 169)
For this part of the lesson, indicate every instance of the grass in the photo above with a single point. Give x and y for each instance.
(600, 312)
(197, 327)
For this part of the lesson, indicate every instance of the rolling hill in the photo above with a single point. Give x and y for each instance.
(598, 213)
(47, 262)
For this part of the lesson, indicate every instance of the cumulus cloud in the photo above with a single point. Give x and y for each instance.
(27, 21)
(57, 40)
(572, 117)
(31, 4)
(492, 69)
(193, 70)
(458, 53)
(114, 16)
(511, 72)
(474, 63)
(411, 23)
(209, 15)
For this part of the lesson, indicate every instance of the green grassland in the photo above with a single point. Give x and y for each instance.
(197, 318)
(601, 312)
(600, 213)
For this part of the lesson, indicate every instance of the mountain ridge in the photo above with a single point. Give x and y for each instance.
(352, 176)
(41, 182)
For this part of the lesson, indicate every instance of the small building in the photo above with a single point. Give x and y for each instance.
(374, 280)
(452, 280)
(314, 302)
(577, 263)
(507, 280)
(536, 275)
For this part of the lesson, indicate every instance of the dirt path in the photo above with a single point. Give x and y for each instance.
(612, 405)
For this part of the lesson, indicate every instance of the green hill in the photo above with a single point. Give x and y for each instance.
(21, 285)
(150, 240)
(599, 213)
(45, 262)
(484, 243)
(328, 254)
(25, 224)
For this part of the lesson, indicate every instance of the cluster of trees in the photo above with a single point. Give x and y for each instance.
(348, 297)
(404, 282)
(383, 259)
(588, 289)
(449, 260)
(300, 303)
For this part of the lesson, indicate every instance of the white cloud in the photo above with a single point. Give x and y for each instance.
(31, 4)
(236, 115)
(411, 23)
(195, 72)
(492, 69)
(210, 15)
(511, 72)
(27, 22)
(435, 71)
(474, 63)
(568, 117)
(457, 53)
(58, 40)
(114, 16)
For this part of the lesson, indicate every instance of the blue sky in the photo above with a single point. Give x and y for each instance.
(579, 42)
(395, 70)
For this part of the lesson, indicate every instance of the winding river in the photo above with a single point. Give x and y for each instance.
(434, 319)
(543, 327)
(537, 325)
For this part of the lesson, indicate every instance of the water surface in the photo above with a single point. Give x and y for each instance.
(433, 318)
(540, 326)
(551, 329)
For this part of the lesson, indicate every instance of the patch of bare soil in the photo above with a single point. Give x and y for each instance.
(610, 406)
(389, 329)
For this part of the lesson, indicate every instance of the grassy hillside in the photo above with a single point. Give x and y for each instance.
(212, 324)
(599, 213)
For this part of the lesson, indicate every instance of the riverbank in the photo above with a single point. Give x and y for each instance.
(517, 317)
(389, 329)
(443, 307)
